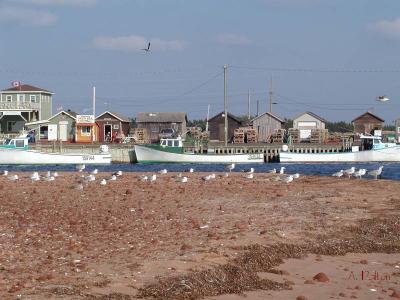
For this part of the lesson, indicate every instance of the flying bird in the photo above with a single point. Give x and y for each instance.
(382, 98)
(147, 49)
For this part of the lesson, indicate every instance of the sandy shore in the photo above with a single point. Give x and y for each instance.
(227, 238)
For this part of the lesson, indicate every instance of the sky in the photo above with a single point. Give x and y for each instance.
(330, 57)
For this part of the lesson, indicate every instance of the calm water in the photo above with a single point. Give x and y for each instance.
(390, 171)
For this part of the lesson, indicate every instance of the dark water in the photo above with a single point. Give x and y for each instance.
(390, 171)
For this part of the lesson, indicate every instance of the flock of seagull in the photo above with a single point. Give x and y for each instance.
(359, 173)
(88, 177)
(248, 174)
(84, 178)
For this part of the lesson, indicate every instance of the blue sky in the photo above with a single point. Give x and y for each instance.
(329, 57)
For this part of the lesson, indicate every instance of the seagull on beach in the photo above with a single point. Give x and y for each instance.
(113, 178)
(13, 177)
(350, 171)
(80, 167)
(50, 178)
(191, 170)
(103, 182)
(273, 171)
(376, 173)
(287, 179)
(183, 179)
(296, 175)
(153, 178)
(163, 171)
(206, 178)
(143, 178)
(249, 175)
(118, 173)
(35, 176)
(338, 174)
(282, 170)
(94, 172)
(230, 167)
(248, 171)
(212, 176)
(89, 178)
(55, 174)
(359, 173)
(5, 173)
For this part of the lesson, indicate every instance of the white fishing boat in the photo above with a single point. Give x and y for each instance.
(16, 152)
(372, 150)
(172, 151)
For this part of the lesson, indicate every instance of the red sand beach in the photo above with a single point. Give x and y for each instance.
(227, 238)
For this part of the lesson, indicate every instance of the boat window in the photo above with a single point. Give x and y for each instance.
(376, 141)
(170, 143)
(19, 143)
(12, 143)
(164, 143)
(176, 143)
(7, 141)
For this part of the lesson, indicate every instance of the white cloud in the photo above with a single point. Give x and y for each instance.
(232, 39)
(389, 29)
(132, 43)
(59, 2)
(26, 16)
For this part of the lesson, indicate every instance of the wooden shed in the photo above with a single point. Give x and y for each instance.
(216, 126)
(87, 130)
(265, 125)
(367, 123)
(306, 122)
(155, 121)
(112, 126)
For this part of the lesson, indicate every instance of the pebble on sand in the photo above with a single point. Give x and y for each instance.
(301, 298)
(321, 277)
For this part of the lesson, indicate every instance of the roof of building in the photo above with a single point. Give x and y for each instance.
(369, 113)
(26, 88)
(269, 114)
(115, 115)
(70, 113)
(313, 115)
(161, 117)
(229, 116)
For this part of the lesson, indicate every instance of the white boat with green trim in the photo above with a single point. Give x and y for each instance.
(172, 151)
(16, 152)
(373, 150)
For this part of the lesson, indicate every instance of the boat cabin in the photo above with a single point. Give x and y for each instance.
(374, 143)
(171, 142)
(17, 143)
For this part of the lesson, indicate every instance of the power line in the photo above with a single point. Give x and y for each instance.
(316, 70)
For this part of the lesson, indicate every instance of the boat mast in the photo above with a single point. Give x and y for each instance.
(225, 108)
(248, 104)
(208, 116)
(270, 95)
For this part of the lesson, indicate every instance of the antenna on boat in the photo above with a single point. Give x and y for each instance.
(248, 104)
(270, 95)
(225, 107)
(208, 116)
(94, 101)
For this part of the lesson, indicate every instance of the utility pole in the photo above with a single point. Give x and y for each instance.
(248, 104)
(208, 116)
(225, 107)
(94, 113)
(270, 95)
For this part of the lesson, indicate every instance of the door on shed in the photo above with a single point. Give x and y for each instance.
(63, 131)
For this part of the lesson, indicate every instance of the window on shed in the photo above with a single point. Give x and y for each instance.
(85, 130)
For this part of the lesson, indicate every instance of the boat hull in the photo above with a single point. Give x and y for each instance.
(31, 157)
(148, 155)
(381, 155)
